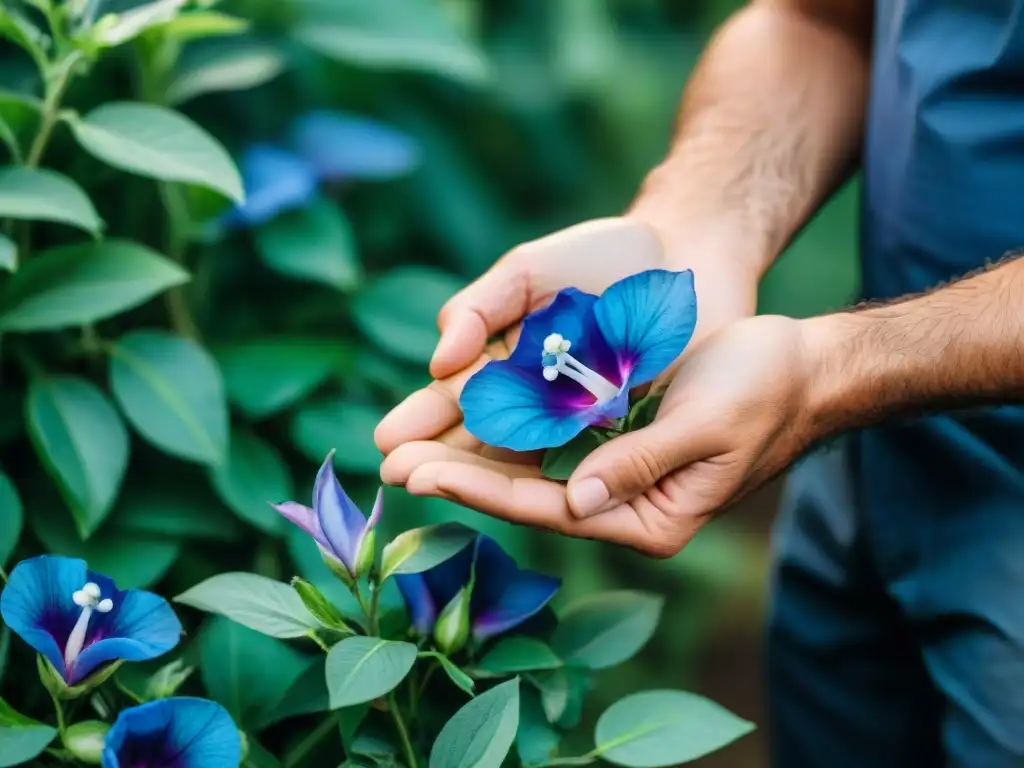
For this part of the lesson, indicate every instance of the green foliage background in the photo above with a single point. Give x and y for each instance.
(531, 115)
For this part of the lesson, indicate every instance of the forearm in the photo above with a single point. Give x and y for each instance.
(770, 124)
(957, 347)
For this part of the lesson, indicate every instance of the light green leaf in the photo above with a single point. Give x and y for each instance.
(80, 438)
(159, 143)
(518, 654)
(480, 734)
(361, 669)
(80, 284)
(115, 29)
(455, 674)
(559, 463)
(555, 691)
(318, 428)
(199, 24)
(397, 35)
(607, 628)
(21, 738)
(8, 254)
(421, 549)
(171, 391)
(664, 728)
(11, 518)
(264, 376)
(226, 65)
(536, 739)
(398, 311)
(254, 601)
(580, 683)
(315, 243)
(247, 672)
(37, 194)
(253, 475)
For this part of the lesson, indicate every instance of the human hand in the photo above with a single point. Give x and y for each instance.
(737, 412)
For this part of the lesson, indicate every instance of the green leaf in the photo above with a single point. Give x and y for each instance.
(318, 604)
(559, 463)
(663, 728)
(536, 740)
(115, 29)
(199, 24)
(37, 194)
(159, 143)
(264, 376)
(480, 734)
(247, 672)
(306, 696)
(5, 649)
(133, 560)
(80, 438)
(8, 254)
(320, 427)
(253, 475)
(171, 391)
(643, 411)
(580, 683)
(81, 284)
(605, 629)
(21, 738)
(315, 243)
(397, 35)
(176, 510)
(455, 674)
(398, 311)
(555, 691)
(11, 518)
(254, 601)
(518, 654)
(226, 65)
(421, 549)
(361, 669)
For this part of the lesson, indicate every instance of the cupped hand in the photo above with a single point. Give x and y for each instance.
(735, 414)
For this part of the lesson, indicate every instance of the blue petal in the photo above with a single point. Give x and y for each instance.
(339, 145)
(426, 593)
(648, 320)
(275, 181)
(418, 602)
(37, 603)
(513, 407)
(505, 596)
(183, 732)
(141, 626)
(339, 517)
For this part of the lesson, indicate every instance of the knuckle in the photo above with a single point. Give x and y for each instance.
(644, 466)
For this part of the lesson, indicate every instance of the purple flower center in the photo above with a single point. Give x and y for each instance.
(151, 750)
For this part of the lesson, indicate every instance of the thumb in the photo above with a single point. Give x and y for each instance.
(484, 308)
(630, 464)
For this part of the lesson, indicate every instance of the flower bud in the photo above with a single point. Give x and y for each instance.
(366, 554)
(339, 569)
(85, 740)
(166, 681)
(451, 630)
(318, 605)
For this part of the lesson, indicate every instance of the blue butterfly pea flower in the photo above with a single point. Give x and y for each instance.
(179, 732)
(345, 537)
(578, 358)
(275, 181)
(79, 620)
(502, 595)
(340, 146)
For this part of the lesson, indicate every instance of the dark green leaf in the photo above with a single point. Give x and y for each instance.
(319, 428)
(398, 311)
(421, 549)
(518, 654)
(605, 629)
(253, 475)
(171, 391)
(315, 243)
(306, 696)
(177, 511)
(254, 601)
(159, 143)
(257, 756)
(580, 684)
(554, 688)
(81, 439)
(349, 721)
(21, 738)
(233, 65)
(80, 284)
(536, 740)
(480, 734)
(37, 194)
(663, 728)
(11, 518)
(559, 463)
(360, 669)
(643, 411)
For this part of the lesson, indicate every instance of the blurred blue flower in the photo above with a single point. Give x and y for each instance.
(345, 537)
(502, 596)
(542, 396)
(79, 620)
(275, 181)
(341, 146)
(180, 732)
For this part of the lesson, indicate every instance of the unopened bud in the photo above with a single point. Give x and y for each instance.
(451, 630)
(85, 740)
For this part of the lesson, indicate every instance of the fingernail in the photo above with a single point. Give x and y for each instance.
(589, 496)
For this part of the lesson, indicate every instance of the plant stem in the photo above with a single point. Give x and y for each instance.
(313, 738)
(177, 243)
(403, 732)
(59, 709)
(312, 635)
(374, 605)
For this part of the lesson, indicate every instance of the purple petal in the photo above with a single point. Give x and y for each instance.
(303, 517)
(418, 601)
(340, 519)
(504, 595)
(339, 145)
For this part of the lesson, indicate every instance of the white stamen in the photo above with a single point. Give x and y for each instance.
(88, 598)
(557, 346)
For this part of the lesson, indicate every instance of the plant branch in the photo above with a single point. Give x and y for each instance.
(313, 738)
(403, 732)
(59, 709)
(177, 243)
